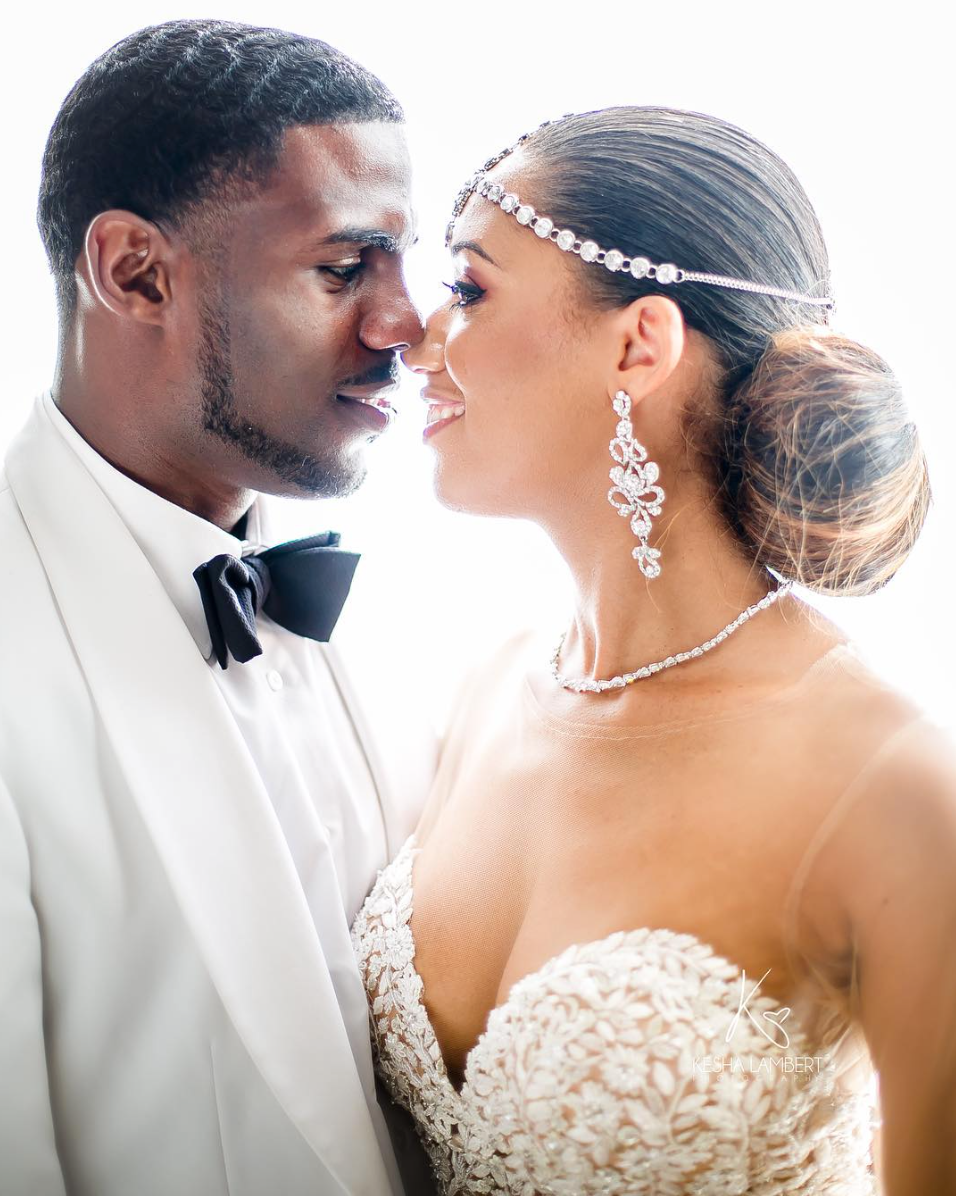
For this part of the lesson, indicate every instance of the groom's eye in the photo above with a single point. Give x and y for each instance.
(343, 273)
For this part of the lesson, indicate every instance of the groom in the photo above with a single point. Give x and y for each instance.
(191, 804)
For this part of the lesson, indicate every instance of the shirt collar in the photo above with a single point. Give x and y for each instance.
(173, 540)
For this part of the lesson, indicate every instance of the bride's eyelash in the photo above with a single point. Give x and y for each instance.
(467, 292)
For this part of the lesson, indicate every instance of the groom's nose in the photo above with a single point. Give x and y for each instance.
(395, 323)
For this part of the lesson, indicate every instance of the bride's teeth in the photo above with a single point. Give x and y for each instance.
(437, 413)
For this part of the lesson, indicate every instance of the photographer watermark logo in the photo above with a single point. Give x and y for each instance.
(770, 1024)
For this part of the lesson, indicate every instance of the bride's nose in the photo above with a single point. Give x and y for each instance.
(428, 356)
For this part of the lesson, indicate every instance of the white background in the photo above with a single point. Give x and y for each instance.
(857, 100)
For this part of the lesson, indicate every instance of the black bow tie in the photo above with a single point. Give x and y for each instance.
(302, 585)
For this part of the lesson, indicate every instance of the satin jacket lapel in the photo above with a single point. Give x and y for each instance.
(201, 798)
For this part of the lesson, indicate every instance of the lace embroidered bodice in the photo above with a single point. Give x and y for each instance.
(609, 1070)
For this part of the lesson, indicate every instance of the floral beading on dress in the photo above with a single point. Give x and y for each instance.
(608, 1071)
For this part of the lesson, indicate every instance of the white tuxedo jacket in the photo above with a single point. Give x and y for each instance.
(168, 1025)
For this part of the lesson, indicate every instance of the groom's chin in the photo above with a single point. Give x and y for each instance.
(337, 481)
(311, 477)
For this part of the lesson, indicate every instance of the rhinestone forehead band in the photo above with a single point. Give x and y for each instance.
(638, 266)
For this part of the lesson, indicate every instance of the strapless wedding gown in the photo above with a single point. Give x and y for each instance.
(609, 1070)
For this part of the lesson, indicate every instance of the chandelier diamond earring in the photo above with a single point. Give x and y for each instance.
(634, 493)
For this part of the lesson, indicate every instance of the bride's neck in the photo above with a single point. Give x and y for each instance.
(623, 620)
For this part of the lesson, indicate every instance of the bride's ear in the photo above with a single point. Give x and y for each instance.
(650, 336)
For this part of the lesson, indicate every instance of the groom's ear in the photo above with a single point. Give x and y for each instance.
(126, 267)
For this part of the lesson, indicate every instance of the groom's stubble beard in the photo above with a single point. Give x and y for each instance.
(311, 475)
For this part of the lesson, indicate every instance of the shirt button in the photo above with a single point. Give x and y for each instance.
(274, 679)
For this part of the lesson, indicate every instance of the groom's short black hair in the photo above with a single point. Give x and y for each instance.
(180, 113)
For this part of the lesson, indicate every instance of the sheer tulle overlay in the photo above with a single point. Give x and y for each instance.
(644, 1060)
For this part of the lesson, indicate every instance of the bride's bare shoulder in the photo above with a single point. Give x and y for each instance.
(895, 865)
(887, 828)
(905, 804)
(852, 705)
(891, 760)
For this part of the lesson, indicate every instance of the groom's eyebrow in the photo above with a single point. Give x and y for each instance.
(475, 248)
(371, 238)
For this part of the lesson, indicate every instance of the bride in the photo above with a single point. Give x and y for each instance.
(679, 914)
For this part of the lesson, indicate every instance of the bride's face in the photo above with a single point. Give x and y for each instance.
(520, 348)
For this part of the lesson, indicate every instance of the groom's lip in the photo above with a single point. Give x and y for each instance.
(374, 399)
(376, 395)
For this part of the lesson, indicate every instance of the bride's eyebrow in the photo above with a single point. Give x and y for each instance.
(475, 248)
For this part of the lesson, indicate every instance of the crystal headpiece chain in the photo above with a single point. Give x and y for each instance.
(614, 260)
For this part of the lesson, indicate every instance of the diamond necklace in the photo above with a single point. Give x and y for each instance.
(586, 685)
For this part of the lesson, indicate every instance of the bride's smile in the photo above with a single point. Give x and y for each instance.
(441, 410)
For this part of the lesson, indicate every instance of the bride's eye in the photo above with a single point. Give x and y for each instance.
(467, 292)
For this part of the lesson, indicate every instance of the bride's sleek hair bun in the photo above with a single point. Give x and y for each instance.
(813, 457)
(817, 463)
